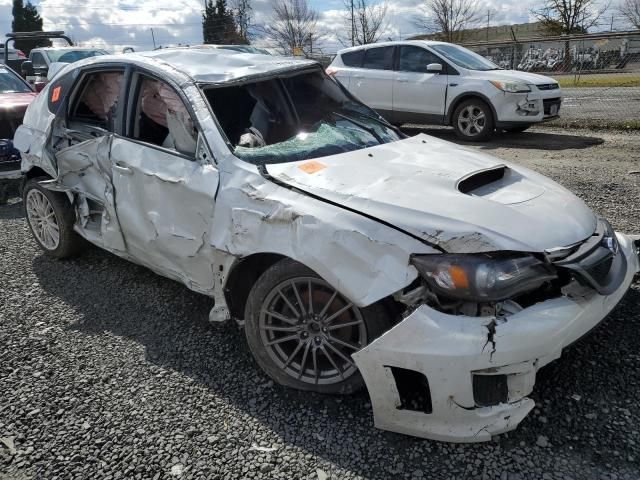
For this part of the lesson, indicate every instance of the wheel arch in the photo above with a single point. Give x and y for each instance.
(33, 172)
(243, 276)
(468, 96)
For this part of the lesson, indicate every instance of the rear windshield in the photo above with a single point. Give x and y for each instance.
(10, 83)
(70, 56)
(300, 117)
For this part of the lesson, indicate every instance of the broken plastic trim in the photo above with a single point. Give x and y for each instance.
(262, 169)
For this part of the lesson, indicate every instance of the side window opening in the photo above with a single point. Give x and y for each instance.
(162, 119)
(98, 99)
(415, 59)
(37, 60)
(353, 59)
(379, 58)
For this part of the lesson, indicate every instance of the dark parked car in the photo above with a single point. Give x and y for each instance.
(15, 97)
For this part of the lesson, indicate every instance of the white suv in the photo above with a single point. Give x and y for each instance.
(419, 81)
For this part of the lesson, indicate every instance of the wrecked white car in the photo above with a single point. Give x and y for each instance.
(439, 277)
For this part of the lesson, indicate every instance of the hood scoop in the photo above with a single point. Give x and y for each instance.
(481, 179)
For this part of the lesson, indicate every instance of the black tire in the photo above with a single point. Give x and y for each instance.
(69, 242)
(519, 129)
(474, 133)
(374, 320)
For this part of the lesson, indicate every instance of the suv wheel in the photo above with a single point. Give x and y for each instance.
(50, 218)
(473, 120)
(302, 331)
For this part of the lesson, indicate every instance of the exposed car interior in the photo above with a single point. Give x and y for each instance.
(293, 118)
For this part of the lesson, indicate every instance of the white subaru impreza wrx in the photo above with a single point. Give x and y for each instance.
(419, 81)
(438, 277)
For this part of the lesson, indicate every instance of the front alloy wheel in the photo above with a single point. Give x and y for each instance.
(303, 332)
(473, 120)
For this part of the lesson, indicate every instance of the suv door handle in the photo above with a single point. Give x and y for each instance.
(453, 84)
(403, 80)
(123, 169)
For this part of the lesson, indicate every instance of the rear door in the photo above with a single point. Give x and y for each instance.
(419, 95)
(373, 83)
(164, 188)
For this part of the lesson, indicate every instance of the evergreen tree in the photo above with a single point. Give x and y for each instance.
(219, 25)
(27, 19)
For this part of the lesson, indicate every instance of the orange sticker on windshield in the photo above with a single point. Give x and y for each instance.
(55, 96)
(312, 166)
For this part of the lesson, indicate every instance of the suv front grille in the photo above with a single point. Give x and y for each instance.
(548, 86)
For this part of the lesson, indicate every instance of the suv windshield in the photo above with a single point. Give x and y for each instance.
(464, 58)
(70, 56)
(295, 118)
(10, 83)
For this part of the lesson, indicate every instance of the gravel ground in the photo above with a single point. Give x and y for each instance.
(108, 371)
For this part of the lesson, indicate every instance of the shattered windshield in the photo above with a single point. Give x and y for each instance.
(295, 118)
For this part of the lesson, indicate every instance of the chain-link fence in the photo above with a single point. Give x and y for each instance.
(599, 73)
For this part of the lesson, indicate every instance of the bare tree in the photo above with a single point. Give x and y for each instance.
(447, 18)
(293, 26)
(630, 9)
(365, 21)
(243, 13)
(570, 16)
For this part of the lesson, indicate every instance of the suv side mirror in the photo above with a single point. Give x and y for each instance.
(434, 68)
(27, 69)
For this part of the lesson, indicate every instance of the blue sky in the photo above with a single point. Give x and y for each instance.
(115, 24)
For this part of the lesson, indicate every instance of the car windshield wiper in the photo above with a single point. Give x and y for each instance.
(371, 131)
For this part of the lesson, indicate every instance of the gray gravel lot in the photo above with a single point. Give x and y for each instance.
(109, 371)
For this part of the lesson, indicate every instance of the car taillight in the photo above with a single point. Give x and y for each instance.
(21, 54)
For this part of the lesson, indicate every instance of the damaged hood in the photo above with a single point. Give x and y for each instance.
(417, 185)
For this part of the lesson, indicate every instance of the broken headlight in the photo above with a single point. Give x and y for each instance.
(482, 278)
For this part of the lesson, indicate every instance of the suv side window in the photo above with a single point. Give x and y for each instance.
(38, 61)
(380, 58)
(95, 101)
(161, 118)
(353, 59)
(415, 59)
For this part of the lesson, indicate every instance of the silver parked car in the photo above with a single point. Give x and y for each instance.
(439, 277)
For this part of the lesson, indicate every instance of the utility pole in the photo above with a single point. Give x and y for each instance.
(153, 37)
(611, 29)
(353, 24)
(488, 19)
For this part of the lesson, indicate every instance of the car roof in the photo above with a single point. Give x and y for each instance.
(391, 44)
(211, 65)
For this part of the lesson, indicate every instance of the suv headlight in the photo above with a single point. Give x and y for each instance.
(510, 86)
(482, 278)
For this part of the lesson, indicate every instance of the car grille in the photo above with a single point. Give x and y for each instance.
(548, 103)
(597, 262)
(548, 86)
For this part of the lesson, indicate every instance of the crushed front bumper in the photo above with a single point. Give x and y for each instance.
(475, 372)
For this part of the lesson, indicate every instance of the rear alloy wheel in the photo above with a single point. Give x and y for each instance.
(473, 120)
(302, 332)
(50, 218)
